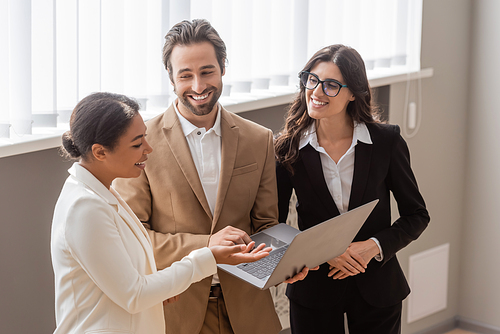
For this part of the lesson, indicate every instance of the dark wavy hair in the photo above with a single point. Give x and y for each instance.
(297, 119)
(100, 118)
(188, 33)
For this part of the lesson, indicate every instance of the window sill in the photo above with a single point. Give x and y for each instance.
(47, 138)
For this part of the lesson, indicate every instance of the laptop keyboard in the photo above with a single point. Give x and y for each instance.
(264, 267)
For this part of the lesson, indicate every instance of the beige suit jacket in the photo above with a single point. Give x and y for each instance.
(169, 198)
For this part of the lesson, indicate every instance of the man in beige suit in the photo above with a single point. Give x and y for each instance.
(210, 180)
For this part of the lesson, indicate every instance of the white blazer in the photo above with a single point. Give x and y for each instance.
(105, 274)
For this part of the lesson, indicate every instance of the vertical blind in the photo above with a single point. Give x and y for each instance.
(59, 51)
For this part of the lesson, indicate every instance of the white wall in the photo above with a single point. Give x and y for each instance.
(29, 187)
(480, 269)
(438, 150)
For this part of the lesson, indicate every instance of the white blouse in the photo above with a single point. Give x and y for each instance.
(338, 176)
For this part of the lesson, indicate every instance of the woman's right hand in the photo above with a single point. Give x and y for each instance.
(354, 260)
(346, 265)
(239, 253)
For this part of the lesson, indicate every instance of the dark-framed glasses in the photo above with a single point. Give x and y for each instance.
(331, 87)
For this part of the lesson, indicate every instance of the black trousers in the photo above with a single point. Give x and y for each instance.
(362, 318)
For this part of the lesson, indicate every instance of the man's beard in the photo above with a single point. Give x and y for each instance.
(203, 109)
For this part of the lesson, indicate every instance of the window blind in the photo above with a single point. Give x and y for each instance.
(59, 51)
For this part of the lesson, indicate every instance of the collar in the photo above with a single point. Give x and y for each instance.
(360, 133)
(87, 178)
(188, 127)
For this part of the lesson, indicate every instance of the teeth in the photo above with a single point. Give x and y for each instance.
(318, 102)
(140, 163)
(200, 97)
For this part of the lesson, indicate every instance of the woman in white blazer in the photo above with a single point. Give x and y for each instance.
(106, 280)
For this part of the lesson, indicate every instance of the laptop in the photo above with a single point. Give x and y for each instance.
(293, 250)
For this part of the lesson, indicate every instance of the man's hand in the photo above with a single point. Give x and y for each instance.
(171, 300)
(354, 260)
(300, 275)
(229, 236)
(237, 254)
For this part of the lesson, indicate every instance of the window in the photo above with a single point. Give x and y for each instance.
(61, 50)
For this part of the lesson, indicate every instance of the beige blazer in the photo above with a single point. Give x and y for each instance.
(105, 275)
(169, 198)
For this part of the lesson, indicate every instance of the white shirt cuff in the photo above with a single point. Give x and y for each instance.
(380, 256)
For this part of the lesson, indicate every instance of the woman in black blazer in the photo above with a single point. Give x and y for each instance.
(336, 155)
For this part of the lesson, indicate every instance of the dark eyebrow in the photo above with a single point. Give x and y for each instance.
(333, 80)
(205, 67)
(183, 70)
(137, 137)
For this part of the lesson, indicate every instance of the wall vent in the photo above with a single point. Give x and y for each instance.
(428, 282)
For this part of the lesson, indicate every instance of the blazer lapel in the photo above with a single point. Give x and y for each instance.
(229, 144)
(362, 160)
(138, 229)
(180, 149)
(111, 197)
(312, 162)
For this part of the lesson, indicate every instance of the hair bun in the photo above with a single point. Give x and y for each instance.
(69, 146)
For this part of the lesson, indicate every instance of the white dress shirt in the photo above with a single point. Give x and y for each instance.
(205, 147)
(338, 176)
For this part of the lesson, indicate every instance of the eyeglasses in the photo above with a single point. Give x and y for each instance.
(331, 87)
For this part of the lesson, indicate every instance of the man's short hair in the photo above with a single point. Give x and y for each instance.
(188, 33)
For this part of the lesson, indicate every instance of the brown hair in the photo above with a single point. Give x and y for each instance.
(187, 33)
(297, 120)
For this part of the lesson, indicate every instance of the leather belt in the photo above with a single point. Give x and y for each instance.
(215, 291)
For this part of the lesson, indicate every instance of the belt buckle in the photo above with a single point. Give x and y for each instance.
(215, 291)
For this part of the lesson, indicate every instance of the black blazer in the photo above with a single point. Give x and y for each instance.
(379, 168)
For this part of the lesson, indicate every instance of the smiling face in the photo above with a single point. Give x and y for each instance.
(197, 79)
(128, 157)
(322, 106)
